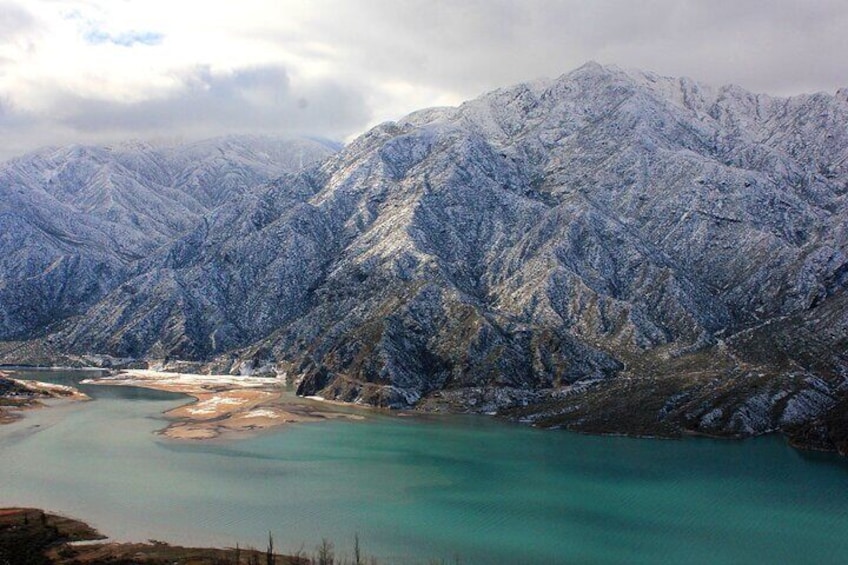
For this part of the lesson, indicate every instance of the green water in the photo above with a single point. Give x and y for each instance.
(417, 490)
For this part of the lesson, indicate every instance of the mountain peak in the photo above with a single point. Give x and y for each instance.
(667, 249)
(593, 67)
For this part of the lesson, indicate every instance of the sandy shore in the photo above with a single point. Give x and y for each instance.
(224, 404)
(17, 395)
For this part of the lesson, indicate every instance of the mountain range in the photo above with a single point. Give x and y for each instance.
(74, 220)
(610, 251)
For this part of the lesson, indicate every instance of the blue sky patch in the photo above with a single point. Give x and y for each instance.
(124, 39)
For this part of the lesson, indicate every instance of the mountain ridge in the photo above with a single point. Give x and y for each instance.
(75, 219)
(609, 251)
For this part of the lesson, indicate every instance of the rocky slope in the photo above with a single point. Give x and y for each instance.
(610, 251)
(74, 220)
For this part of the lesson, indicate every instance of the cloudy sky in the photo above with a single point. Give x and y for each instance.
(82, 71)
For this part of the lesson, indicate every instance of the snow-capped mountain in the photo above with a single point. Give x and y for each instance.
(611, 251)
(73, 220)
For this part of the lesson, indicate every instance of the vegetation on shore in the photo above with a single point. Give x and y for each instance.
(31, 536)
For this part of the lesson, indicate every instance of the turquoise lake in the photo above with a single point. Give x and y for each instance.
(414, 490)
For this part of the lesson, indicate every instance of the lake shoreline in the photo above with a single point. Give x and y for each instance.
(418, 488)
(223, 405)
(31, 535)
(18, 396)
(230, 406)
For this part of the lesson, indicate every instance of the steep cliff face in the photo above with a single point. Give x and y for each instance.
(611, 251)
(74, 220)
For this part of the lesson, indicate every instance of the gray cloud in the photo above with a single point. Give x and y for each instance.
(14, 21)
(779, 46)
(248, 100)
(453, 49)
(19, 130)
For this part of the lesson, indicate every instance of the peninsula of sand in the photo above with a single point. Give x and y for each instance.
(224, 404)
(17, 395)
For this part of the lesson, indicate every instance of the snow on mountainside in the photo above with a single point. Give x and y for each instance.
(611, 251)
(73, 220)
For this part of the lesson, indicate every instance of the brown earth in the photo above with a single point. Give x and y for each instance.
(225, 405)
(33, 537)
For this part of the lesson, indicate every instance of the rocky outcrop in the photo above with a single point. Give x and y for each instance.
(611, 251)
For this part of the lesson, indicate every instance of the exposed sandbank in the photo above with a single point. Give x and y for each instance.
(224, 404)
(18, 395)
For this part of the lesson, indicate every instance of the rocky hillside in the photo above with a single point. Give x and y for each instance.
(611, 251)
(74, 220)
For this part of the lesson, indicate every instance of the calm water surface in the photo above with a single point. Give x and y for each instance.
(416, 490)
